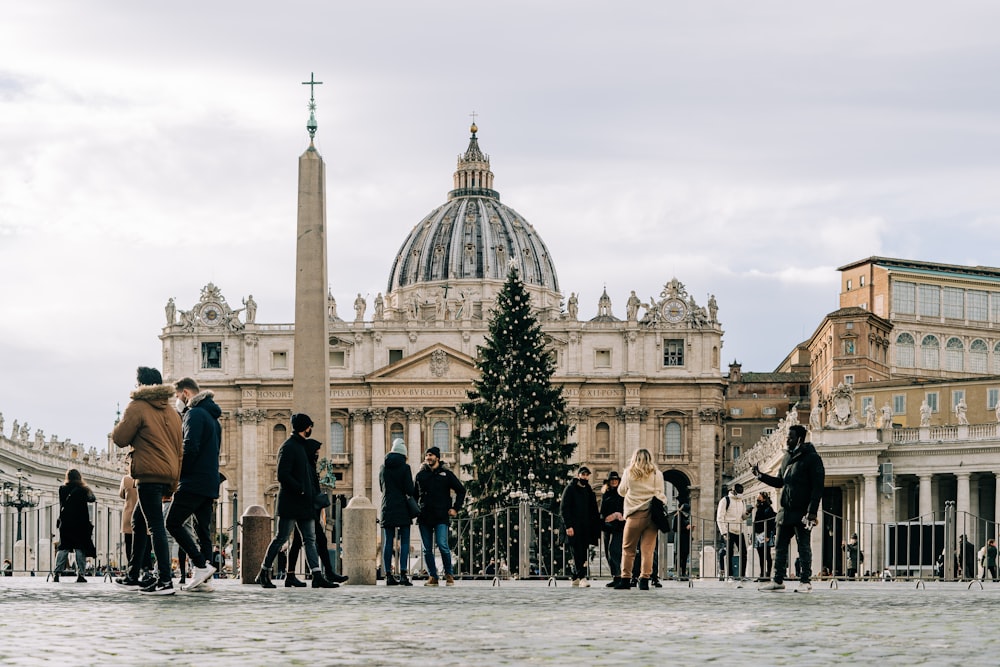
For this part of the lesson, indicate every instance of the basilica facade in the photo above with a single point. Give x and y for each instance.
(648, 376)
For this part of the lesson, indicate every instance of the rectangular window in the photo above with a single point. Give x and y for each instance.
(848, 379)
(867, 402)
(736, 452)
(861, 281)
(769, 411)
(849, 346)
(736, 412)
(602, 358)
(930, 301)
(395, 355)
(769, 430)
(848, 284)
(954, 303)
(977, 306)
(737, 431)
(338, 359)
(957, 396)
(995, 307)
(992, 395)
(211, 355)
(899, 404)
(904, 298)
(932, 400)
(673, 352)
(279, 360)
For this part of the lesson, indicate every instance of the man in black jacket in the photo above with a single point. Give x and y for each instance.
(297, 492)
(435, 484)
(199, 484)
(800, 479)
(582, 522)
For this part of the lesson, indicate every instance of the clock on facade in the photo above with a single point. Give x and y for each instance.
(211, 314)
(674, 310)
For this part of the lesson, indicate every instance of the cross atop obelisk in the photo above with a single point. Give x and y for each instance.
(312, 125)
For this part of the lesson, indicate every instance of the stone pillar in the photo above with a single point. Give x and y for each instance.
(251, 485)
(996, 510)
(378, 453)
(360, 547)
(926, 503)
(632, 416)
(963, 522)
(358, 460)
(257, 533)
(414, 419)
(871, 518)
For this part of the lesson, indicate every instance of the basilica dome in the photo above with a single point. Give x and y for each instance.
(472, 237)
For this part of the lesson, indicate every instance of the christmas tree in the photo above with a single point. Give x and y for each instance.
(519, 417)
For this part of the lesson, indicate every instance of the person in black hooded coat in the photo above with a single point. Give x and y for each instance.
(396, 481)
(75, 528)
(582, 522)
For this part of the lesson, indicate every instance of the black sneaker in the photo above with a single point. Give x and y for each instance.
(158, 588)
(147, 580)
(127, 583)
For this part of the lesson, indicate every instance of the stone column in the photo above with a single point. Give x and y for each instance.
(632, 416)
(963, 521)
(251, 480)
(414, 420)
(378, 453)
(926, 503)
(871, 518)
(358, 459)
(996, 509)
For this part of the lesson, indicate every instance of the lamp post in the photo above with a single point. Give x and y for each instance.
(21, 496)
(524, 499)
(328, 481)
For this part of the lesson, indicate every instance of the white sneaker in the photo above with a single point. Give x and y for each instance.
(205, 587)
(200, 575)
(585, 582)
(576, 582)
(804, 587)
(773, 586)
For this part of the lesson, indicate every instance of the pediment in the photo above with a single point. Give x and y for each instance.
(433, 364)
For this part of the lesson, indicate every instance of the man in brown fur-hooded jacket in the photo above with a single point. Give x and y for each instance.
(151, 427)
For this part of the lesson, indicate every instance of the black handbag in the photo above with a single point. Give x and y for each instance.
(412, 507)
(658, 513)
(321, 500)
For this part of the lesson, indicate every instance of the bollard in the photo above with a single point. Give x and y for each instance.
(257, 529)
(359, 542)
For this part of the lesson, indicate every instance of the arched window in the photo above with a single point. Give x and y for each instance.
(954, 355)
(278, 436)
(602, 437)
(996, 359)
(904, 350)
(672, 439)
(930, 349)
(395, 431)
(978, 354)
(337, 442)
(442, 436)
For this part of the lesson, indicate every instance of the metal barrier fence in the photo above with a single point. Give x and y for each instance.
(28, 539)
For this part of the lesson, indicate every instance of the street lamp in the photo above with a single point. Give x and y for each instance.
(20, 497)
(524, 499)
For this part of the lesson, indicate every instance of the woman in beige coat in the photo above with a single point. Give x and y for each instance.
(641, 481)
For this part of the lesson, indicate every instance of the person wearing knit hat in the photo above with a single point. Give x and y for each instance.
(613, 516)
(435, 484)
(395, 478)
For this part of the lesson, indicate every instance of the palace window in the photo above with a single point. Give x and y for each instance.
(867, 402)
(930, 300)
(338, 359)
(930, 350)
(441, 436)
(769, 411)
(899, 404)
(996, 359)
(932, 400)
(904, 298)
(211, 355)
(672, 439)
(768, 430)
(737, 450)
(338, 445)
(278, 437)
(279, 360)
(977, 305)
(954, 355)
(992, 396)
(395, 431)
(848, 379)
(904, 350)
(954, 303)
(673, 352)
(602, 437)
(978, 355)
(395, 355)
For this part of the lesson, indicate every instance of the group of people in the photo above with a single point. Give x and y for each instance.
(433, 498)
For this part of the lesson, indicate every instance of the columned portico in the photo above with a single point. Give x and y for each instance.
(924, 498)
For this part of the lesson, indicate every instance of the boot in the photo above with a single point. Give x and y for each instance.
(644, 584)
(623, 584)
(613, 582)
(391, 580)
(80, 579)
(264, 579)
(404, 580)
(291, 581)
(431, 581)
(319, 581)
(55, 578)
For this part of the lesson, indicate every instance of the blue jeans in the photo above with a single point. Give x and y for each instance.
(150, 514)
(437, 533)
(388, 535)
(308, 529)
(62, 561)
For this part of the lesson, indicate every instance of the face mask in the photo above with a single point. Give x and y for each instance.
(180, 405)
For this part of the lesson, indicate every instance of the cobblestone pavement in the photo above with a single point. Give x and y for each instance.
(517, 623)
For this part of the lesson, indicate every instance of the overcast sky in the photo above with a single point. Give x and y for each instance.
(747, 149)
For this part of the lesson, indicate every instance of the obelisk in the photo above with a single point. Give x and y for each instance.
(311, 381)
